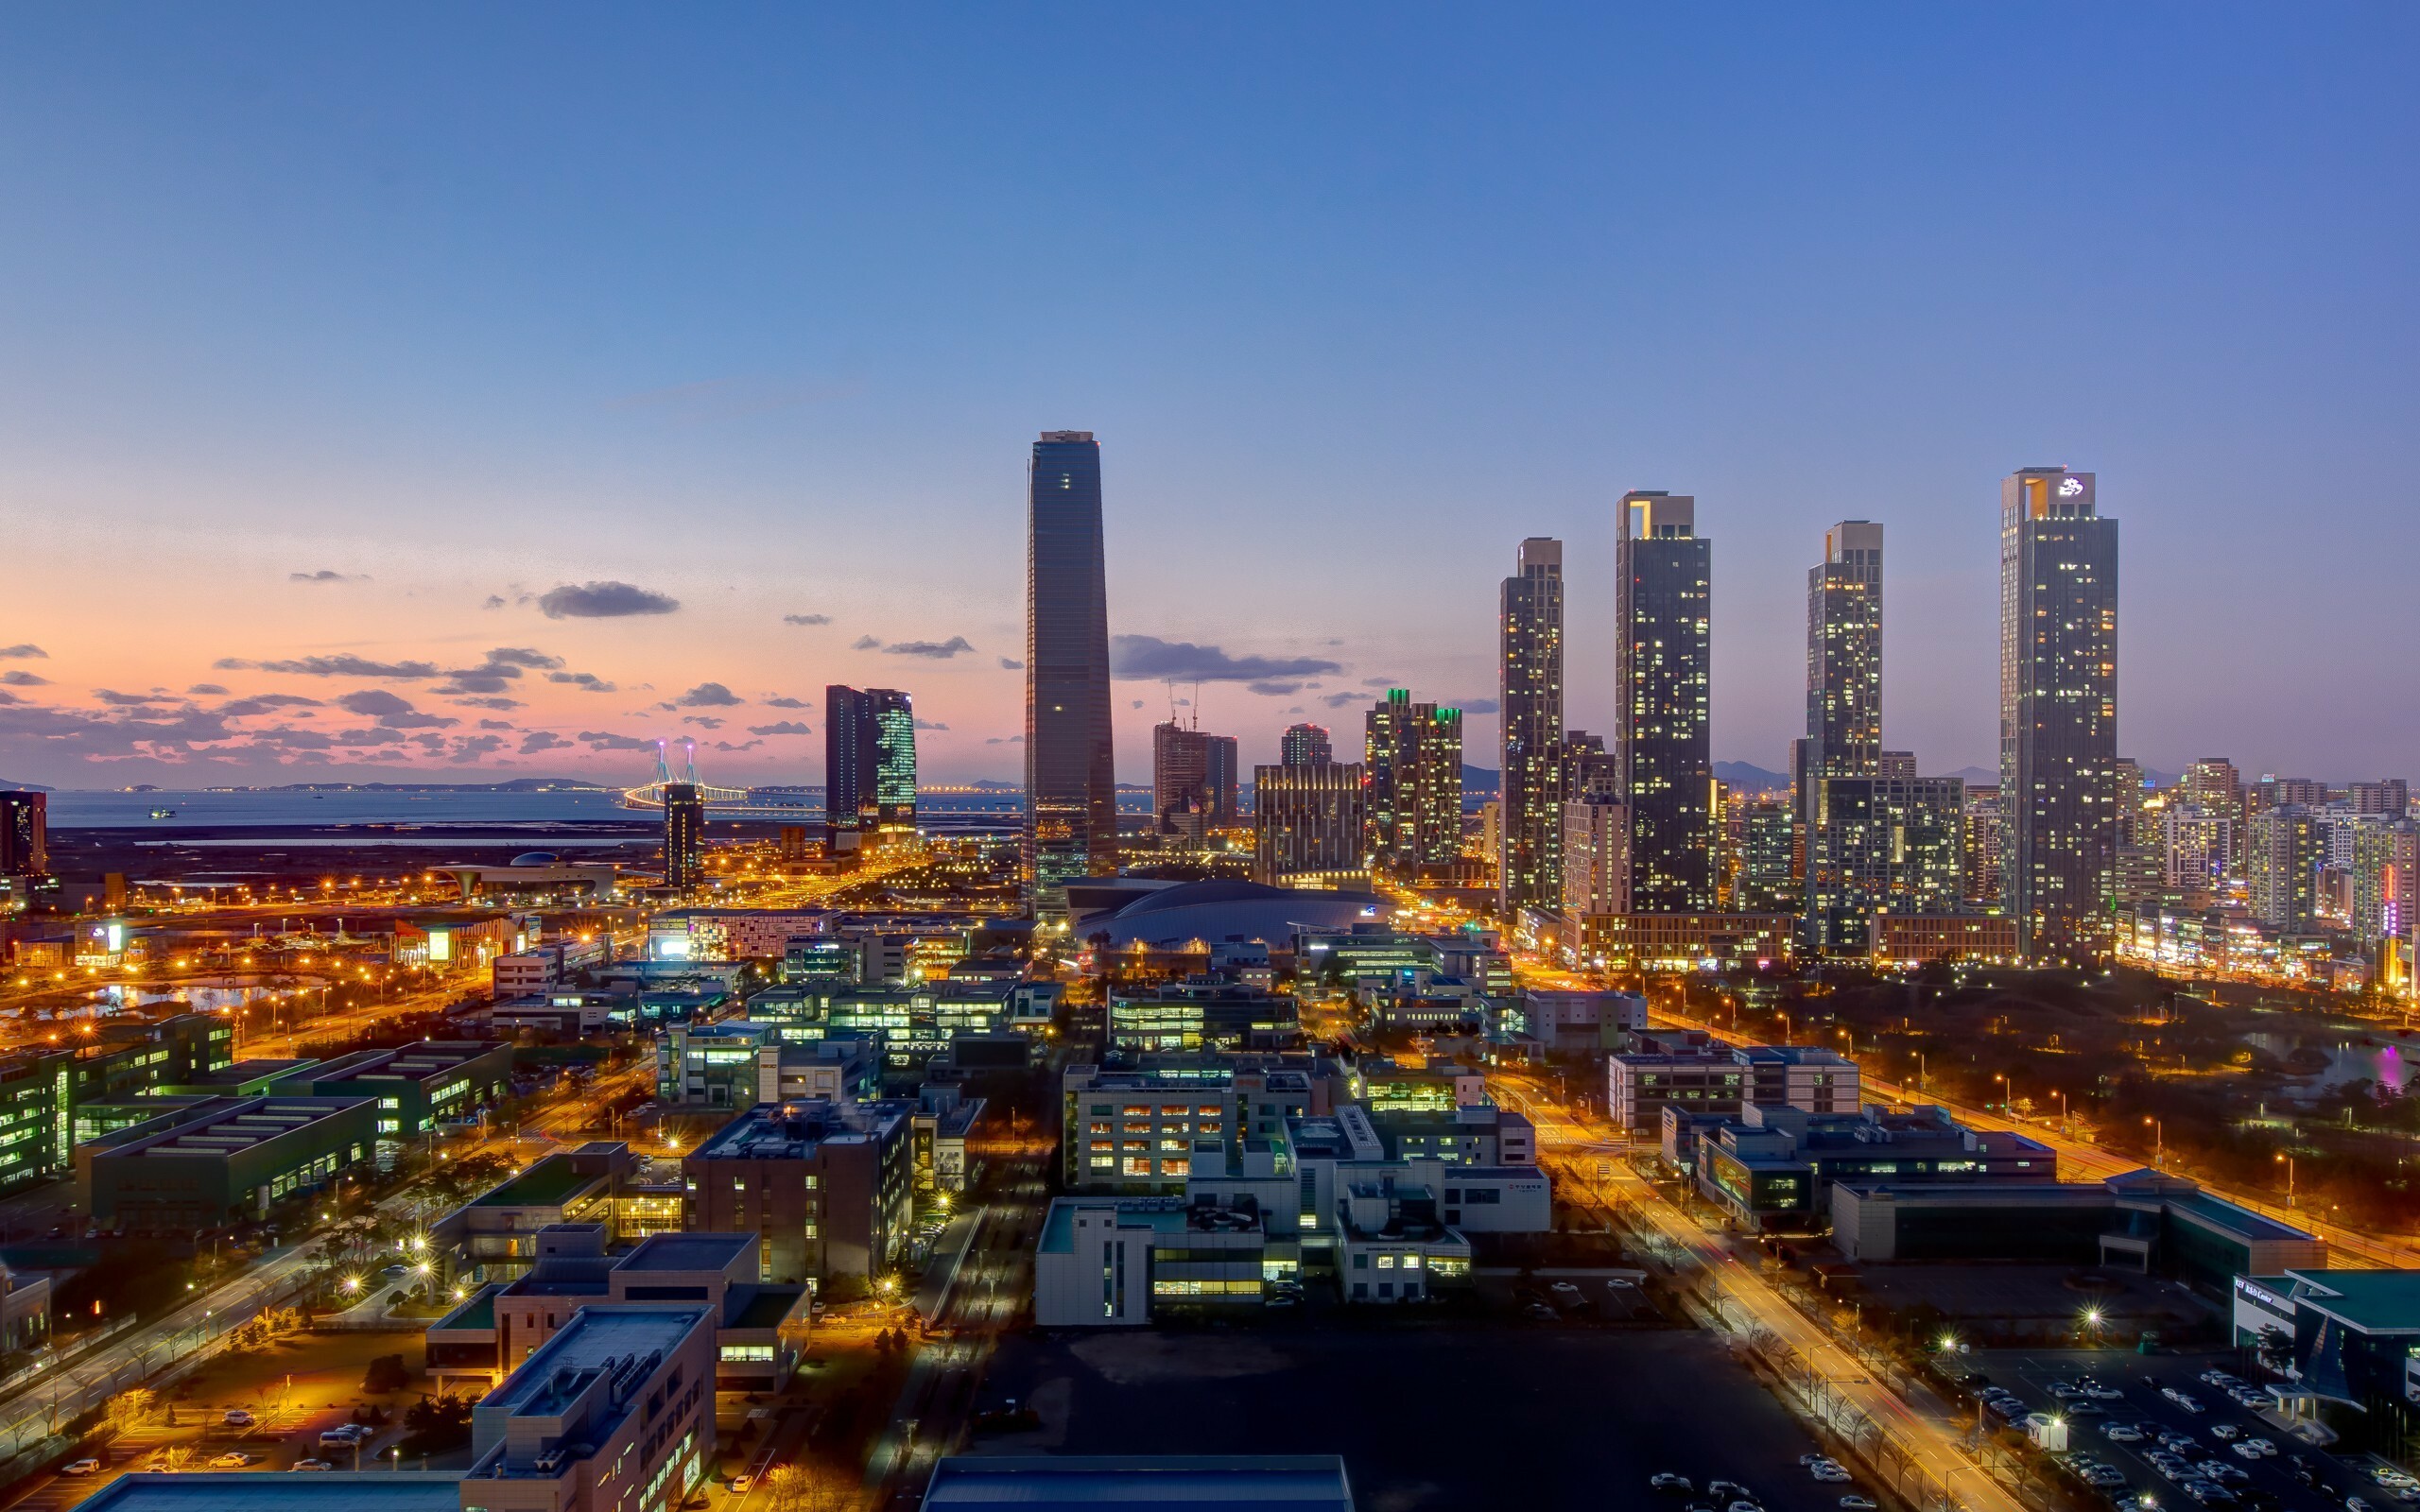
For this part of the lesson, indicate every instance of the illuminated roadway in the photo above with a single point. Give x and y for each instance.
(2348, 1247)
(1930, 1439)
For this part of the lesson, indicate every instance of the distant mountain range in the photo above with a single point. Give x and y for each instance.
(1746, 778)
(519, 784)
(12, 785)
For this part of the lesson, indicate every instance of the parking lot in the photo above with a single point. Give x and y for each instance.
(2254, 1482)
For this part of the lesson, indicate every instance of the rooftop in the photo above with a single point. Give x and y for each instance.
(760, 1306)
(793, 1131)
(251, 1121)
(1203, 1483)
(687, 1252)
(241, 1491)
(549, 1183)
(1165, 1216)
(2373, 1301)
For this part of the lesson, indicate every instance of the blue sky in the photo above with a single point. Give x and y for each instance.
(757, 311)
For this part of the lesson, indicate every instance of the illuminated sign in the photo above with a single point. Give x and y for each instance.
(2069, 487)
(117, 937)
(440, 945)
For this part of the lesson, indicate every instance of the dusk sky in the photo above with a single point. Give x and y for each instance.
(490, 390)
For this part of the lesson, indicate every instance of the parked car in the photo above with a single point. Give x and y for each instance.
(313, 1465)
(80, 1467)
(236, 1418)
(1667, 1481)
(1856, 1503)
(231, 1460)
(2225, 1432)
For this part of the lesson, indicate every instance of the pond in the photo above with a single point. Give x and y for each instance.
(211, 996)
(2387, 1058)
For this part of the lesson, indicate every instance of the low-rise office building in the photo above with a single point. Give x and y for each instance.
(1202, 1013)
(1775, 1167)
(2159, 1225)
(1297, 1482)
(829, 1186)
(2352, 1347)
(236, 1161)
(1920, 939)
(1683, 943)
(760, 1329)
(615, 1411)
(1473, 1134)
(1698, 1074)
(493, 1237)
(1106, 1262)
(419, 1087)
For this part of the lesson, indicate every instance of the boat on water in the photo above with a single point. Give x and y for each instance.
(164, 814)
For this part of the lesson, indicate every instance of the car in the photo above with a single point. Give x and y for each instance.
(313, 1465)
(2354, 1503)
(2225, 1432)
(231, 1460)
(1743, 1506)
(741, 1482)
(1805, 1460)
(343, 1436)
(1729, 1491)
(2085, 1409)
(1856, 1503)
(1832, 1475)
(2101, 1393)
(1667, 1481)
(2243, 1450)
(1540, 1311)
(2221, 1472)
(2124, 1433)
(80, 1467)
(2258, 1446)
(236, 1418)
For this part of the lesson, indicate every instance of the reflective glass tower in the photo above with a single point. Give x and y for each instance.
(869, 765)
(1664, 573)
(1070, 772)
(1529, 679)
(685, 835)
(2058, 712)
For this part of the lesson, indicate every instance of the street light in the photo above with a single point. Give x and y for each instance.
(2289, 1177)
(2159, 1139)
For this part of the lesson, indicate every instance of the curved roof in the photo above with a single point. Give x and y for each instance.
(535, 858)
(1192, 894)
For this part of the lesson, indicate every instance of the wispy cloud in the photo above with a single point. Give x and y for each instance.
(325, 576)
(787, 727)
(333, 666)
(806, 619)
(937, 650)
(1148, 656)
(22, 652)
(604, 601)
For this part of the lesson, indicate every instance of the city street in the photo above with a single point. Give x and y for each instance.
(1572, 1144)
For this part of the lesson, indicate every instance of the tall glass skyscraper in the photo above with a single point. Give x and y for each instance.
(1529, 677)
(1070, 768)
(2058, 712)
(1664, 573)
(869, 765)
(1844, 735)
(1414, 753)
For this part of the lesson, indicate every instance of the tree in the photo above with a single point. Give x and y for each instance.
(2277, 1349)
(386, 1374)
(130, 1409)
(437, 1424)
(812, 1487)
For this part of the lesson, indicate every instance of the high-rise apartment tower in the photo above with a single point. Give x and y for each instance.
(1529, 677)
(1304, 745)
(1663, 574)
(2058, 712)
